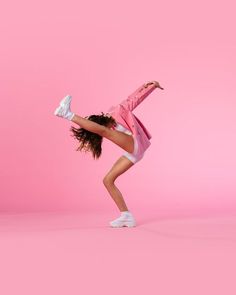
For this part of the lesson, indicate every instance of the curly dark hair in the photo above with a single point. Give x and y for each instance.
(90, 141)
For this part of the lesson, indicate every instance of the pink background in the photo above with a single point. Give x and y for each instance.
(99, 52)
(182, 192)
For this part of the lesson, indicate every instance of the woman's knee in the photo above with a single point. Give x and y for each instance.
(108, 180)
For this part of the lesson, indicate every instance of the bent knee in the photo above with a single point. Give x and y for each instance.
(108, 180)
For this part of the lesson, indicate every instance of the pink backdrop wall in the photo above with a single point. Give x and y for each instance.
(99, 52)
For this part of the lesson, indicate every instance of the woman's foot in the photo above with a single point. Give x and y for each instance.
(63, 110)
(125, 219)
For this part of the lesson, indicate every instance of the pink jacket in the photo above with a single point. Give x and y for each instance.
(122, 113)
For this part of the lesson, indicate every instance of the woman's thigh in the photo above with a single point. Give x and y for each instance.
(118, 168)
(123, 140)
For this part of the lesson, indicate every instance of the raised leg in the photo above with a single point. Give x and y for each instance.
(89, 125)
(120, 166)
(121, 139)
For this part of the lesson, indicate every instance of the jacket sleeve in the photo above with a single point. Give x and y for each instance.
(135, 98)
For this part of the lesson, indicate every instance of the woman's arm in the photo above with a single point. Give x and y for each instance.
(135, 98)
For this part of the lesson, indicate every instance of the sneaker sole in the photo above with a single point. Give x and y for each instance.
(127, 224)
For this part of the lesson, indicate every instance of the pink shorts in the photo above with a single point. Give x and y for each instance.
(133, 157)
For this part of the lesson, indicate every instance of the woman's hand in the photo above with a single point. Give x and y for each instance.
(153, 82)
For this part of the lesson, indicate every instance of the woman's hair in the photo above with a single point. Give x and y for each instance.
(90, 141)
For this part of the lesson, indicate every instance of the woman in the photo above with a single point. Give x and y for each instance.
(123, 128)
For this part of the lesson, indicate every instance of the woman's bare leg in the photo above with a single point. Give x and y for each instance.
(88, 124)
(121, 139)
(120, 166)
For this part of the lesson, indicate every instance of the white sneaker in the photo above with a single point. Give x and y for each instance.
(124, 220)
(63, 110)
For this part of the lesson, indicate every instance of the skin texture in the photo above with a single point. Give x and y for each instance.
(119, 167)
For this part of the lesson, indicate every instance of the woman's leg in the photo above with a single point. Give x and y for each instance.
(88, 124)
(121, 139)
(120, 166)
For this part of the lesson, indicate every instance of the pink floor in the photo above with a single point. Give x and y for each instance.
(70, 253)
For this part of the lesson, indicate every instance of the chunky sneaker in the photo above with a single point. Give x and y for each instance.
(124, 220)
(63, 110)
